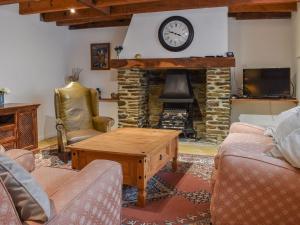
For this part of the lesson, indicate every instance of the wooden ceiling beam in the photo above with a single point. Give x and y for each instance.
(93, 20)
(102, 24)
(93, 4)
(278, 7)
(44, 6)
(260, 15)
(157, 6)
(7, 2)
(85, 14)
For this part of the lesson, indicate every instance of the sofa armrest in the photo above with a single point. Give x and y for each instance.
(93, 196)
(102, 123)
(246, 128)
(256, 188)
(23, 157)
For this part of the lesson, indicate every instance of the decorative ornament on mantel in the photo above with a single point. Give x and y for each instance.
(74, 77)
(3, 91)
(138, 56)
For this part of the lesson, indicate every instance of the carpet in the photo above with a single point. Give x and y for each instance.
(173, 198)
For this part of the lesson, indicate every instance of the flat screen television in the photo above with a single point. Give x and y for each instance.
(268, 82)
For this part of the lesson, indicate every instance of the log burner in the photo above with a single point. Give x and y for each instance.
(178, 99)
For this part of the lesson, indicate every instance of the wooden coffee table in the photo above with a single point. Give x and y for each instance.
(141, 152)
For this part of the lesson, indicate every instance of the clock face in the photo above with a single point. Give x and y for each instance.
(176, 33)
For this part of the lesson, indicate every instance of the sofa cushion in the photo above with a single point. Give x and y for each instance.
(80, 135)
(287, 126)
(8, 213)
(51, 179)
(31, 202)
(288, 148)
(280, 120)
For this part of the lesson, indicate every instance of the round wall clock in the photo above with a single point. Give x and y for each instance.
(176, 33)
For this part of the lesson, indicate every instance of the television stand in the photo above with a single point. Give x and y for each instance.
(283, 100)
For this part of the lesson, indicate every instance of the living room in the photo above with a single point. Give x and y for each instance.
(190, 131)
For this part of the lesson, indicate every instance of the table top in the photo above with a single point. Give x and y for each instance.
(18, 105)
(127, 141)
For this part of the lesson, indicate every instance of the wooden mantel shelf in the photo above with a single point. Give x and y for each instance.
(174, 63)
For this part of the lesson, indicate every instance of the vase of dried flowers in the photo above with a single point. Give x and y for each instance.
(118, 50)
(74, 77)
(3, 91)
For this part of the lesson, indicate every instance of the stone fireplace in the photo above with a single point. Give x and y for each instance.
(141, 102)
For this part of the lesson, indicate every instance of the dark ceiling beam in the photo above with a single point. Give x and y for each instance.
(7, 2)
(260, 15)
(93, 4)
(102, 24)
(44, 6)
(93, 20)
(278, 7)
(84, 14)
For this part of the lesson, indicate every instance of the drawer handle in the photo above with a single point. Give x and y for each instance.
(160, 157)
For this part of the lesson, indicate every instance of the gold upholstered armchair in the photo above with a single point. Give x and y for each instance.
(77, 115)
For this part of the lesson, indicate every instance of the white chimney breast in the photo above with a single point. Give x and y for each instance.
(211, 34)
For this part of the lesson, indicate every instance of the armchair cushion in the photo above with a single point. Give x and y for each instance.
(31, 202)
(80, 135)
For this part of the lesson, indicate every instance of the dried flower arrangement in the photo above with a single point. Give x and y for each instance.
(75, 75)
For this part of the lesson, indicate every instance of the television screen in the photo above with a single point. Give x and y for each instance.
(261, 83)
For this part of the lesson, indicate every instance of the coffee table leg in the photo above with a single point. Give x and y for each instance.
(174, 162)
(142, 194)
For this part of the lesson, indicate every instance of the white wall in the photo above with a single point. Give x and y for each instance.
(210, 26)
(79, 56)
(259, 44)
(32, 62)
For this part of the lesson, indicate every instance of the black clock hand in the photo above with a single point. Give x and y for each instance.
(175, 33)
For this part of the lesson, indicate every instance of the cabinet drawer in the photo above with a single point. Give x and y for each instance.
(159, 159)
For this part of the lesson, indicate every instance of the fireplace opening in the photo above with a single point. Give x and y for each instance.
(197, 100)
(178, 102)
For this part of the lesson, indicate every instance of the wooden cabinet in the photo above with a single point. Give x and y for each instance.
(18, 126)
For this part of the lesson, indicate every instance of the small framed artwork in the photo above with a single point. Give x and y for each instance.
(100, 56)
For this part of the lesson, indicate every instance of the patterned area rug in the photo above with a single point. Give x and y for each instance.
(173, 198)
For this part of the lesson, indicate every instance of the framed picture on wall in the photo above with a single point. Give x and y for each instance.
(100, 56)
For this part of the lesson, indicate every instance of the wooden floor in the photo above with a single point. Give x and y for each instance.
(198, 148)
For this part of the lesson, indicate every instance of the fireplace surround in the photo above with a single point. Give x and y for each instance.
(142, 98)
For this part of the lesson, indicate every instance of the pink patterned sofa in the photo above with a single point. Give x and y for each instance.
(249, 187)
(89, 196)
